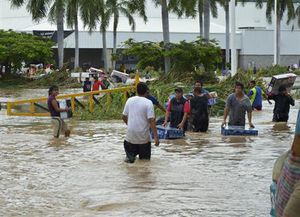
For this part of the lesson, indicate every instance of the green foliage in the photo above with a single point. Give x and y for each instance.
(185, 56)
(59, 78)
(103, 111)
(16, 48)
(188, 56)
(206, 77)
(276, 70)
(148, 53)
(273, 70)
(226, 87)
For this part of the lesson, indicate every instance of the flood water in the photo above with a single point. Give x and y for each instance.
(85, 175)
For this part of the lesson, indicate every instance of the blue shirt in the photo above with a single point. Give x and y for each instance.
(153, 100)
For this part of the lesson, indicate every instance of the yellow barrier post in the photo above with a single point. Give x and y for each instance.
(137, 79)
(9, 107)
(73, 103)
(124, 97)
(31, 108)
(108, 99)
(91, 102)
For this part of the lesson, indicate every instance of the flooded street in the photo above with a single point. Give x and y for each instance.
(85, 175)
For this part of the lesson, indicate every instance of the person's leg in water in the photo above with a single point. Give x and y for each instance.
(65, 129)
(145, 151)
(131, 151)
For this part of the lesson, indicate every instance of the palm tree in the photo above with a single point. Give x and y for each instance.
(39, 9)
(166, 29)
(72, 21)
(94, 12)
(126, 8)
(282, 7)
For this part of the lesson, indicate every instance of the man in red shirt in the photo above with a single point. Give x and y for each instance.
(178, 109)
(96, 84)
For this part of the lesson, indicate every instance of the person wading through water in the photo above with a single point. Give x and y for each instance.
(59, 125)
(138, 115)
(177, 110)
(282, 105)
(198, 119)
(237, 104)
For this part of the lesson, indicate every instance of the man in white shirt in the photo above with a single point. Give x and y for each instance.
(139, 116)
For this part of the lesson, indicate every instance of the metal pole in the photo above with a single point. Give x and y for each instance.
(233, 38)
(275, 33)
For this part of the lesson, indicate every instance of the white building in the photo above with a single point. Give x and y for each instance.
(254, 35)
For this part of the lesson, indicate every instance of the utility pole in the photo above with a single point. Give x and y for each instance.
(233, 38)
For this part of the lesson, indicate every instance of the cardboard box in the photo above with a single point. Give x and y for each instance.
(286, 80)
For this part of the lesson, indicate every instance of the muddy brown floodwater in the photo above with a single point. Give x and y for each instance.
(84, 175)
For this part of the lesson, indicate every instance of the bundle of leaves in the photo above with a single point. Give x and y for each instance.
(59, 78)
(226, 87)
(109, 108)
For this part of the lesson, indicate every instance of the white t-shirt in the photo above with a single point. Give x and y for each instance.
(138, 110)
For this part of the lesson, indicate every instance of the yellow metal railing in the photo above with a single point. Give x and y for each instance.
(33, 103)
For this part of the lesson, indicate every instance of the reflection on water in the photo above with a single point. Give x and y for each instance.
(204, 174)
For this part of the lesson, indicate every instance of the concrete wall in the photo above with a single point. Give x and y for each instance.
(248, 61)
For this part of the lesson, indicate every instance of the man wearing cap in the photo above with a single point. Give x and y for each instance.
(178, 109)
(139, 116)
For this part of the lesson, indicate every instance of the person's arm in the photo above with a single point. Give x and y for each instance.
(296, 142)
(181, 125)
(125, 119)
(249, 114)
(152, 123)
(292, 101)
(161, 108)
(250, 93)
(56, 108)
(167, 114)
(226, 112)
(186, 109)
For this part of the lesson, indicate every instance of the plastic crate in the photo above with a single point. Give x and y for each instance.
(238, 131)
(168, 133)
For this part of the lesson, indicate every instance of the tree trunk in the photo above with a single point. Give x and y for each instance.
(104, 50)
(76, 62)
(115, 27)
(200, 11)
(60, 37)
(206, 11)
(278, 39)
(227, 33)
(166, 32)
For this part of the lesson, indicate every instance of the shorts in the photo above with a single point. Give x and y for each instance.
(257, 108)
(132, 150)
(60, 127)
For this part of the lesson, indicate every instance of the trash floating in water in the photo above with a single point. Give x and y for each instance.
(238, 131)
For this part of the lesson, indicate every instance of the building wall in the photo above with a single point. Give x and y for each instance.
(260, 61)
